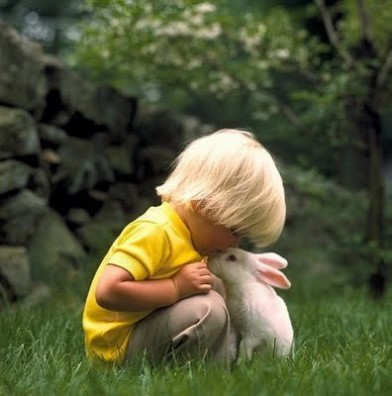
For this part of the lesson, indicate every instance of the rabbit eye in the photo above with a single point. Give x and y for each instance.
(232, 257)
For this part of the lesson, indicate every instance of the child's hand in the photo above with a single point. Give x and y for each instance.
(193, 279)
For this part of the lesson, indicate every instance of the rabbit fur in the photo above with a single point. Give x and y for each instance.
(259, 317)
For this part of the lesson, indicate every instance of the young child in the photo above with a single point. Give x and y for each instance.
(153, 294)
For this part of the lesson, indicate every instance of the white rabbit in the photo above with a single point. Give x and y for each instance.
(259, 317)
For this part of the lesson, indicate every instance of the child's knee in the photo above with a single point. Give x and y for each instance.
(206, 315)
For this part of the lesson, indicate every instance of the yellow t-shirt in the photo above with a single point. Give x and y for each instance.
(154, 246)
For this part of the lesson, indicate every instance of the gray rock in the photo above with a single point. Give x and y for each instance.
(15, 271)
(39, 183)
(120, 160)
(82, 165)
(95, 237)
(158, 126)
(125, 193)
(100, 105)
(20, 214)
(53, 249)
(18, 134)
(106, 225)
(39, 293)
(156, 160)
(43, 85)
(78, 216)
(22, 79)
(111, 215)
(51, 134)
(14, 175)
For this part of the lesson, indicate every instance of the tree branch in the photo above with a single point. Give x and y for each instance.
(364, 17)
(385, 70)
(289, 114)
(331, 33)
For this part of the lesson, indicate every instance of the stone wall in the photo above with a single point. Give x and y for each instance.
(77, 162)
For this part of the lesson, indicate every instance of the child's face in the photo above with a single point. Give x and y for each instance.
(207, 237)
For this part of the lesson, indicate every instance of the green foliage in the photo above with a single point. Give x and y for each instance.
(323, 237)
(45, 21)
(199, 46)
(313, 100)
(380, 14)
(249, 68)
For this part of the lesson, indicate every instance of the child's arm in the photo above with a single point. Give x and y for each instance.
(118, 291)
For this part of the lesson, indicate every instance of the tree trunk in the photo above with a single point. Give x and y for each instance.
(372, 134)
(370, 129)
(375, 225)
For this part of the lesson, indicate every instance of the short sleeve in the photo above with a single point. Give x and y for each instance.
(142, 250)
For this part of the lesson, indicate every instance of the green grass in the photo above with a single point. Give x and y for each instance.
(343, 347)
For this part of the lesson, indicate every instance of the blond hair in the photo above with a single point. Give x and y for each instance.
(234, 182)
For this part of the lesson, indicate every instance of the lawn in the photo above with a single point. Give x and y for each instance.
(343, 347)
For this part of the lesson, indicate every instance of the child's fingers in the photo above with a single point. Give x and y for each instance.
(204, 271)
(201, 264)
(205, 288)
(205, 280)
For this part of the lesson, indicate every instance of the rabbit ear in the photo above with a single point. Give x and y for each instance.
(272, 259)
(272, 276)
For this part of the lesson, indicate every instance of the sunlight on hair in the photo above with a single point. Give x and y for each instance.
(234, 181)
